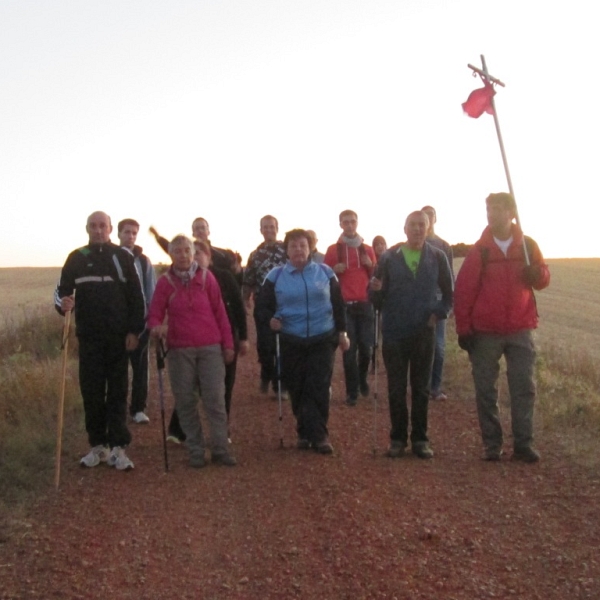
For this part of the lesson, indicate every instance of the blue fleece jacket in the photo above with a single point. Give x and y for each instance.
(407, 300)
(307, 301)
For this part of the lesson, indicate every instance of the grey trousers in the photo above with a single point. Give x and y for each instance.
(519, 353)
(190, 369)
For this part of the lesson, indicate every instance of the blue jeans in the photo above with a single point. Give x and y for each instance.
(438, 357)
(359, 326)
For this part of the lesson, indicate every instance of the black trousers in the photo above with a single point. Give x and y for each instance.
(306, 370)
(139, 381)
(265, 346)
(103, 385)
(412, 355)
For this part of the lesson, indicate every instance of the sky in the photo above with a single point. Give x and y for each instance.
(164, 111)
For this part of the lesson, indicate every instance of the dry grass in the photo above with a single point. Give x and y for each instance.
(30, 372)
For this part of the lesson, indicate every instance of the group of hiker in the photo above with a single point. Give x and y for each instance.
(305, 305)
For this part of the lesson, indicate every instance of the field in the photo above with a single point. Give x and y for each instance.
(23, 288)
(569, 309)
(293, 524)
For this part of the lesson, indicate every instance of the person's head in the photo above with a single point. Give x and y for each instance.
(127, 230)
(298, 247)
(200, 229)
(269, 227)
(202, 254)
(349, 223)
(501, 210)
(415, 228)
(312, 236)
(379, 245)
(98, 227)
(430, 212)
(181, 251)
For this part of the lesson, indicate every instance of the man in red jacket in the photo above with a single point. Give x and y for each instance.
(353, 262)
(495, 313)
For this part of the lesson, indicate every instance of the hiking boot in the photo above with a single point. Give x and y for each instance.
(324, 447)
(119, 460)
(351, 400)
(396, 450)
(364, 388)
(141, 418)
(527, 454)
(422, 450)
(197, 461)
(223, 459)
(492, 454)
(303, 444)
(95, 456)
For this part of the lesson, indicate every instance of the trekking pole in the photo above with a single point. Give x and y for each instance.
(375, 393)
(278, 360)
(160, 365)
(61, 400)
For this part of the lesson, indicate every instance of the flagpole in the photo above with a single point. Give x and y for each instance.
(488, 77)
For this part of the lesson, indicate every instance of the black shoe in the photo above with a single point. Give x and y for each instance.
(197, 461)
(364, 388)
(351, 401)
(396, 450)
(223, 459)
(422, 450)
(324, 447)
(527, 454)
(303, 444)
(491, 455)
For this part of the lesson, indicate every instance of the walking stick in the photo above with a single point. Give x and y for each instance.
(278, 360)
(61, 400)
(375, 393)
(160, 365)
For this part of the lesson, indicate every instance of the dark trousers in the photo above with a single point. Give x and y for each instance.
(306, 372)
(359, 326)
(103, 384)
(265, 346)
(139, 381)
(412, 355)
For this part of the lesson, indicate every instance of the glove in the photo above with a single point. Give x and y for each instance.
(531, 275)
(466, 342)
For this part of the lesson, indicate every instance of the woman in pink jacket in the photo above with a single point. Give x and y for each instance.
(200, 343)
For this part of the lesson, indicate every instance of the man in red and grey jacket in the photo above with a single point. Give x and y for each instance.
(495, 311)
(353, 262)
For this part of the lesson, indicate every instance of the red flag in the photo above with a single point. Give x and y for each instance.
(480, 101)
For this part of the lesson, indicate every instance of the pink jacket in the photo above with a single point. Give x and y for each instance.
(196, 313)
(490, 295)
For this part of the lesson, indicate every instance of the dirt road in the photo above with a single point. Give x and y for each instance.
(286, 523)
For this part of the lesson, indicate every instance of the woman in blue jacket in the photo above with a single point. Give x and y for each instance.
(304, 303)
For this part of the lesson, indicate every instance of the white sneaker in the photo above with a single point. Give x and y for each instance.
(140, 418)
(118, 459)
(95, 456)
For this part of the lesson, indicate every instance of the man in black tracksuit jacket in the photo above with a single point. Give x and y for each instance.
(109, 317)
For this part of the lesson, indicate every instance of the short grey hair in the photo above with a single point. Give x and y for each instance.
(181, 240)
